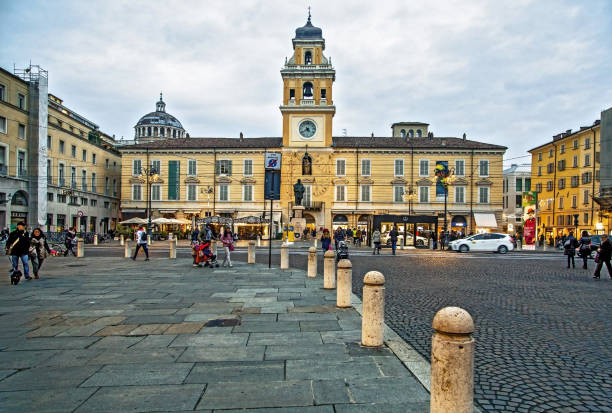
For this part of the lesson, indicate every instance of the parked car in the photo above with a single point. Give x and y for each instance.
(488, 241)
(595, 242)
(420, 241)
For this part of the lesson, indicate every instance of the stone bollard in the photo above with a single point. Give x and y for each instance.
(373, 318)
(172, 249)
(452, 362)
(312, 262)
(329, 272)
(284, 258)
(251, 255)
(95, 239)
(402, 243)
(345, 280)
(213, 246)
(149, 240)
(258, 241)
(431, 244)
(315, 242)
(80, 248)
(128, 250)
(121, 240)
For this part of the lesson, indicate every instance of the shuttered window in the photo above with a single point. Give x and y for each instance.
(174, 176)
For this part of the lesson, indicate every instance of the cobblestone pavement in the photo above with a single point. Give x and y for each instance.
(543, 332)
(110, 334)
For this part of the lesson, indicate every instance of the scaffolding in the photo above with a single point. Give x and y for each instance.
(31, 74)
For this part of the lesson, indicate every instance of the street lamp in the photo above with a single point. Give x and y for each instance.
(150, 174)
(445, 177)
(410, 196)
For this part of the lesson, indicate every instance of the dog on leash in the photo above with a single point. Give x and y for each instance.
(15, 277)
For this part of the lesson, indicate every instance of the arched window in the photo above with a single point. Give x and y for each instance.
(306, 164)
(411, 133)
(419, 133)
(308, 57)
(20, 198)
(155, 131)
(403, 133)
(307, 90)
(149, 131)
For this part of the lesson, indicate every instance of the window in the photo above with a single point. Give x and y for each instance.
(483, 195)
(574, 182)
(106, 163)
(575, 163)
(106, 186)
(538, 187)
(540, 156)
(136, 192)
(291, 93)
(419, 133)
(586, 198)
(21, 164)
(191, 192)
(527, 184)
(550, 153)
(21, 131)
(61, 146)
(365, 193)
(308, 57)
(323, 94)
(93, 202)
(93, 158)
(539, 171)
(411, 133)
(84, 179)
(399, 167)
(423, 194)
(459, 167)
(307, 195)
(587, 160)
(114, 187)
(61, 198)
(423, 167)
(84, 201)
(156, 192)
(403, 133)
(106, 204)
(340, 167)
(519, 185)
(49, 170)
(561, 165)
(50, 196)
(574, 201)
(587, 143)
(2, 124)
(247, 192)
(586, 218)
(93, 182)
(484, 167)
(156, 166)
(223, 192)
(136, 167)
(340, 193)
(518, 201)
(562, 148)
(21, 101)
(2, 92)
(550, 168)
(561, 183)
(460, 194)
(561, 202)
(366, 167)
(549, 185)
(174, 180)
(223, 167)
(191, 167)
(398, 193)
(587, 177)
(84, 155)
(73, 151)
(248, 167)
(61, 175)
(575, 143)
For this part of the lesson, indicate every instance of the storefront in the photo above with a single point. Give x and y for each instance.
(416, 230)
(251, 227)
(459, 226)
(485, 221)
(339, 221)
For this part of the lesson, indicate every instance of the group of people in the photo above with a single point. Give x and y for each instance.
(201, 245)
(355, 235)
(27, 247)
(583, 245)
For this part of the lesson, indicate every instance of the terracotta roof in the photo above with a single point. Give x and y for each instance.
(208, 143)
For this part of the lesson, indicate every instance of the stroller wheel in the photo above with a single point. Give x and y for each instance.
(217, 265)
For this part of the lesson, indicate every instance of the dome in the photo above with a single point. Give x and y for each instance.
(159, 119)
(308, 31)
(159, 124)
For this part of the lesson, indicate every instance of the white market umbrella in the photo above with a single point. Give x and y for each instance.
(135, 220)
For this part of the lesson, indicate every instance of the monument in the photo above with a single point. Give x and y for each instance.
(297, 220)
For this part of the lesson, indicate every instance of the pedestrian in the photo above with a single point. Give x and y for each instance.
(69, 242)
(141, 242)
(209, 234)
(542, 240)
(325, 240)
(393, 234)
(358, 236)
(39, 250)
(376, 236)
(434, 237)
(228, 245)
(584, 248)
(604, 253)
(569, 249)
(355, 236)
(18, 247)
(339, 236)
(195, 234)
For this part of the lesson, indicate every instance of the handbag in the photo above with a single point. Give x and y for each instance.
(231, 247)
(596, 259)
(9, 250)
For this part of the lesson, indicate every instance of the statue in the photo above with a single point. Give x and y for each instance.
(298, 192)
(306, 165)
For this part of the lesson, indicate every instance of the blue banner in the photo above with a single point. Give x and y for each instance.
(272, 185)
(441, 173)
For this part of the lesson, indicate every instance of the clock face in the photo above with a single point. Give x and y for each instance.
(307, 129)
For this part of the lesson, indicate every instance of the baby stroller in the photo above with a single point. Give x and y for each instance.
(206, 256)
(342, 252)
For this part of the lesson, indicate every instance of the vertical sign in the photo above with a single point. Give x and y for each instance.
(441, 174)
(272, 183)
(530, 201)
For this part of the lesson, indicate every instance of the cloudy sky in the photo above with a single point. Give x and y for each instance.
(508, 72)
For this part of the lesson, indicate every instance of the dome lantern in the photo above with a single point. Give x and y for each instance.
(158, 124)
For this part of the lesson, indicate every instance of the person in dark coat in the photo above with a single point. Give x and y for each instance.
(68, 242)
(41, 250)
(605, 254)
(569, 248)
(325, 240)
(393, 234)
(18, 246)
(584, 248)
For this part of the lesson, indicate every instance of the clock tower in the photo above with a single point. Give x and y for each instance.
(308, 76)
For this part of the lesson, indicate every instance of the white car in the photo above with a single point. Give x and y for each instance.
(488, 241)
(420, 241)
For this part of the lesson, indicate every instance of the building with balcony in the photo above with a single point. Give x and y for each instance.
(517, 179)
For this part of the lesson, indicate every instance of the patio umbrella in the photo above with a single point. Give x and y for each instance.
(134, 220)
(161, 221)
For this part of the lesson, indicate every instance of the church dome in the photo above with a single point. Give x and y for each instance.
(159, 124)
(308, 31)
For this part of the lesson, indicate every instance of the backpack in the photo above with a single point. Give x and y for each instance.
(568, 244)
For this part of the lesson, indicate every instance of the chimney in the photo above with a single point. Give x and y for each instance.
(241, 136)
(464, 136)
(187, 136)
(372, 134)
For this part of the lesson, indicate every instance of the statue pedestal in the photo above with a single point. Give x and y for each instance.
(298, 221)
(298, 211)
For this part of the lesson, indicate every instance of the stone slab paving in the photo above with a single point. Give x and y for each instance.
(107, 334)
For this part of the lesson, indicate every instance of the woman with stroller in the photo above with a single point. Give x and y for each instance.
(584, 248)
(39, 250)
(325, 240)
(228, 245)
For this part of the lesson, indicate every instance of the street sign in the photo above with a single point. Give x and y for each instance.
(273, 161)
(80, 214)
(272, 183)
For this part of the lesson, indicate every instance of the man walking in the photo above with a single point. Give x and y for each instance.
(18, 246)
(605, 254)
(393, 234)
(141, 242)
(69, 242)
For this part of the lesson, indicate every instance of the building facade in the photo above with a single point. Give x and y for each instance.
(565, 174)
(57, 169)
(359, 182)
(517, 179)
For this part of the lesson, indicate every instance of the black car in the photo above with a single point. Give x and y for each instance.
(595, 242)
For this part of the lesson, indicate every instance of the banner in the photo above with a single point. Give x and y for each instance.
(530, 201)
(441, 174)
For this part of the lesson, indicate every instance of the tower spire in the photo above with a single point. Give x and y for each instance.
(160, 106)
(308, 14)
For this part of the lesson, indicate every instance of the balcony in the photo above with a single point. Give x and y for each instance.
(107, 192)
(49, 179)
(84, 187)
(307, 102)
(3, 169)
(93, 188)
(310, 206)
(22, 173)
(61, 182)
(73, 185)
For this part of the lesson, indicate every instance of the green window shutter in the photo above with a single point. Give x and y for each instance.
(229, 169)
(174, 180)
(217, 168)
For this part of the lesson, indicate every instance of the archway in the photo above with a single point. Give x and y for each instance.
(20, 198)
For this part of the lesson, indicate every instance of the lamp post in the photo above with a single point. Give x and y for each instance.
(410, 196)
(445, 177)
(150, 174)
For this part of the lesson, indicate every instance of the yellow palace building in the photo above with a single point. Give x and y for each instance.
(349, 181)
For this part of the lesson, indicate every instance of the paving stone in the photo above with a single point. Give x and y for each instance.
(47, 378)
(344, 336)
(93, 313)
(307, 317)
(154, 319)
(184, 328)
(6, 372)
(323, 325)
(257, 394)
(333, 351)
(75, 321)
(329, 369)
(80, 331)
(137, 355)
(54, 343)
(48, 331)
(24, 359)
(304, 409)
(143, 398)
(146, 329)
(237, 371)
(141, 374)
(108, 321)
(357, 350)
(219, 353)
(412, 407)
(206, 317)
(43, 322)
(387, 390)
(294, 339)
(119, 330)
(197, 340)
(43, 401)
(71, 358)
(330, 391)
(267, 327)
(48, 314)
(153, 311)
(115, 342)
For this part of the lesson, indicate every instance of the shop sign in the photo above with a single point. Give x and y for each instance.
(80, 214)
(16, 214)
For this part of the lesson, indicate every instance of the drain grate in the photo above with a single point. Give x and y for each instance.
(223, 322)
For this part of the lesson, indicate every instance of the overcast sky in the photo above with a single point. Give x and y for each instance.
(507, 72)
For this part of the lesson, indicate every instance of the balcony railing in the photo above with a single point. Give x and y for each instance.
(73, 185)
(21, 173)
(307, 102)
(310, 206)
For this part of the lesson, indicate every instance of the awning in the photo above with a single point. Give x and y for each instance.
(484, 220)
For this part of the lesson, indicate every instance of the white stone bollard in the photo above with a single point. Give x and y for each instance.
(329, 270)
(312, 262)
(149, 240)
(95, 239)
(345, 280)
(121, 240)
(213, 246)
(373, 317)
(80, 248)
(128, 250)
(402, 243)
(431, 244)
(251, 255)
(258, 241)
(315, 242)
(172, 249)
(452, 362)
(284, 258)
